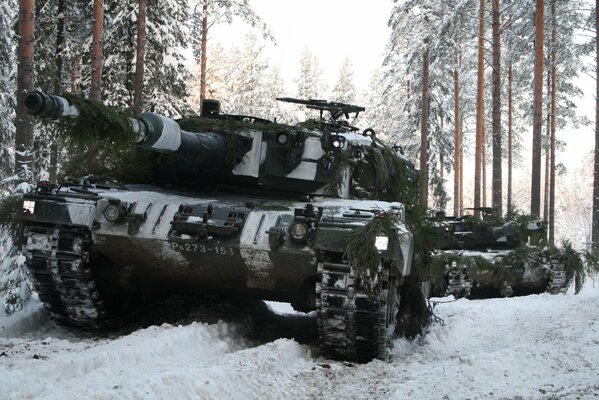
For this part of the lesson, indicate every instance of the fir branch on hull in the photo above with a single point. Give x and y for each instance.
(360, 246)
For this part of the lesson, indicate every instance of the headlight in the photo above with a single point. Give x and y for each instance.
(381, 243)
(28, 207)
(299, 231)
(113, 213)
(282, 139)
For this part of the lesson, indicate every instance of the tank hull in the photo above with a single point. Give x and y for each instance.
(229, 245)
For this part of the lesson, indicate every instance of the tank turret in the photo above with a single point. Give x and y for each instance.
(469, 233)
(326, 156)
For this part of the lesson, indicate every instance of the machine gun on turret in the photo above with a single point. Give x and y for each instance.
(336, 110)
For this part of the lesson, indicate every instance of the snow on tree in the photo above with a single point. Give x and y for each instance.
(205, 14)
(248, 75)
(415, 27)
(245, 83)
(345, 89)
(25, 81)
(7, 87)
(310, 84)
(165, 72)
(61, 28)
(15, 288)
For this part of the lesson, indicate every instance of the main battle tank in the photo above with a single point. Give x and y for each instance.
(252, 209)
(488, 257)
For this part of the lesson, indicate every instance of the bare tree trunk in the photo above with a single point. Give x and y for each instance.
(480, 117)
(204, 39)
(553, 126)
(461, 175)
(140, 56)
(483, 163)
(456, 140)
(53, 170)
(595, 226)
(497, 197)
(424, 128)
(535, 195)
(25, 79)
(546, 148)
(509, 140)
(441, 156)
(95, 92)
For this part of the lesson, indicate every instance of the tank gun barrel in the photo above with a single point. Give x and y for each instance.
(154, 131)
(48, 105)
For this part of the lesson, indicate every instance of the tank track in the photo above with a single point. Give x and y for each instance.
(354, 324)
(458, 283)
(559, 282)
(58, 261)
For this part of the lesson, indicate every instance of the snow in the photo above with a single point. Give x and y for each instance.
(542, 346)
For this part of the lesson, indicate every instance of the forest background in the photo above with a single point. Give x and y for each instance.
(423, 90)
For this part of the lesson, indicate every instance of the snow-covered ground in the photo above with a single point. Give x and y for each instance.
(539, 346)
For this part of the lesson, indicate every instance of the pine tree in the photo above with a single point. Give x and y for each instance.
(165, 73)
(535, 194)
(345, 90)
(411, 23)
(595, 218)
(95, 92)
(7, 88)
(496, 106)
(63, 26)
(205, 14)
(309, 83)
(480, 112)
(25, 82)
(248, 78)
(140, 55)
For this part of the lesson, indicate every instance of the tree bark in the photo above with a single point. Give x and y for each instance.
(441, 155)
(480, 117)
(53, 169)
(424, 128)
(140, 56)
(547, 133)
(553, 125)
(95, 92)
(483, 166)
(461, 171)
(509, 140)
(497, 196)
(25, 79)
(535, 195)
(456, 140)
(595, 226)
(204, 39)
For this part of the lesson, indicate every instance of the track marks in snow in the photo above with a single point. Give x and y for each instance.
(530, 347)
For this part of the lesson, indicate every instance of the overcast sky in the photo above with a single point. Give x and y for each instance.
(331, 29)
